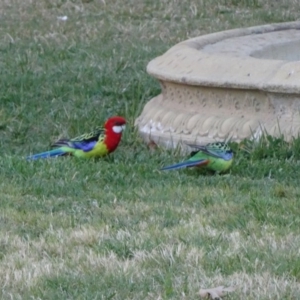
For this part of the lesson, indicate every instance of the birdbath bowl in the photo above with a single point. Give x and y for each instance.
(232, 84)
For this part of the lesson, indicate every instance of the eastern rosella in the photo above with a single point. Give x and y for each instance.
(214, 156)
(98, 143)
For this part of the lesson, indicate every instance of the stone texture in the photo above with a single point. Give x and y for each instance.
(227, 85)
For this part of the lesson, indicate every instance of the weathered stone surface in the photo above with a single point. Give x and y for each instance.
(226, 85)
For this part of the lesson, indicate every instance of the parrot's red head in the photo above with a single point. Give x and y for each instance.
(114, 127)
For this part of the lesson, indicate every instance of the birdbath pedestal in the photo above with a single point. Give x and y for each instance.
(228, 85)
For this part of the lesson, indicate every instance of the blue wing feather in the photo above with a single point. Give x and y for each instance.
(84, 146)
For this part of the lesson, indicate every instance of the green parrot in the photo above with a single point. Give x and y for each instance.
(216, 156)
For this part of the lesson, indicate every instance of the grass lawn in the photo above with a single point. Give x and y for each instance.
(118, 228)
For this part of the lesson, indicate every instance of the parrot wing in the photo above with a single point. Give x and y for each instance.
(210, 150)
(85, 142)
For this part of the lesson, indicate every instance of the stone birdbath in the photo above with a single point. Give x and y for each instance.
(232, 84)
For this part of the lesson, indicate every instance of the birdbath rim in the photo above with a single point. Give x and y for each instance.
(216, 60)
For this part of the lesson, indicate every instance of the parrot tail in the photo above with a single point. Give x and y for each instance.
(187, 164)
(51, 153)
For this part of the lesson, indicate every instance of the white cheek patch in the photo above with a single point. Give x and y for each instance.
(117, 129)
